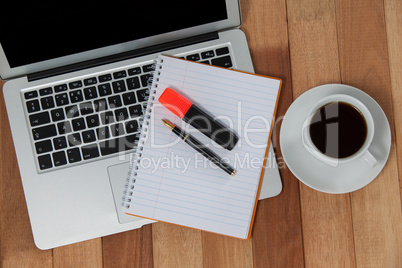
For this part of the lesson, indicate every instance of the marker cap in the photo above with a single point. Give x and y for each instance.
(175, 102)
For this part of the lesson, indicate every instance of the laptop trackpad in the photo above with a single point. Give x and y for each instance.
(118, 175)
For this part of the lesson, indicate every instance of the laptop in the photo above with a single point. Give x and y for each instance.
(76, 86)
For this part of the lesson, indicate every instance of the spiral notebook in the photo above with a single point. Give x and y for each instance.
(170, 182)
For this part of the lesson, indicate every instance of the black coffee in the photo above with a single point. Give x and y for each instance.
(338, 130)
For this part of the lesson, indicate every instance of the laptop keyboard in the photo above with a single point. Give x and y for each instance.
(97, 116)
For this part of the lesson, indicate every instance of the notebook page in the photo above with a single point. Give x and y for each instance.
(176, 184)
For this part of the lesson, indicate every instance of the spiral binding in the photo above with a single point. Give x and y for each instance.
(135, 158)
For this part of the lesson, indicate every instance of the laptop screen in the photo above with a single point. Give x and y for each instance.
(41, 30)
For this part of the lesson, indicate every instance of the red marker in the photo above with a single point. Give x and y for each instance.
(199, 119)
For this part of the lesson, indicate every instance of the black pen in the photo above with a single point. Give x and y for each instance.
(199, 147)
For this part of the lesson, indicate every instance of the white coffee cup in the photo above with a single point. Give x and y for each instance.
(363, 153)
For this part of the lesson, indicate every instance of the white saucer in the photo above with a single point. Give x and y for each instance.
(316, 174)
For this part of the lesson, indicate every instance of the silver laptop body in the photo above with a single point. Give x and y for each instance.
(77, 197)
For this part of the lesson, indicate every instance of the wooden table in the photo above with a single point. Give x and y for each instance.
(306, 43)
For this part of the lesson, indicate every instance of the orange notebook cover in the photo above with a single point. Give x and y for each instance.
(171, 182)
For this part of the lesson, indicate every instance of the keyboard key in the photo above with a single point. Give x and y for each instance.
(88, 136)
(225, 62)
(148, 68)
(117, 145)
(90, 81)
(72, 111)
(74, 139)
(111, 146)
(103, 133)
(75, 84)
(78, 124)
(90, 151)
(39, 119)
(43, 147)
(105, 78)
(44, 132)
(107, 117)
(121, 114)
(120, 74)
(132, 126)
(92, 121)
(31, 94)
(145, 79)
(64, 127)
(207, 54)
(90, 93)
(100, 105)
(76, 96)
(86, 108)
(45, 91)
(73, 155)
(59, 158)
(60, 143)
(62, 99)
(131, 141)
(142, 95)
(117, 130)
(57, 114)
(45, 162)
(133, 83)
(119, 86)
(222, 51)
(33, 106)
(115, 101)
(134, 71)
(193, 57)
(60, 88)
(104, 90)
(135, 111)
(129, 98)
(47, 102)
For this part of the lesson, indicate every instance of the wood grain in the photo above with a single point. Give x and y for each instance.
(313, 44)
(175, 246)
(277, 236)
(84, 254)
(393, 19)
(223, 251)
(129, 249)
(327, 222)
(364, 61)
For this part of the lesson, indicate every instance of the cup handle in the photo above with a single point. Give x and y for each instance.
(369, 159)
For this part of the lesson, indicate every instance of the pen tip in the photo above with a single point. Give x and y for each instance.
(168, 124)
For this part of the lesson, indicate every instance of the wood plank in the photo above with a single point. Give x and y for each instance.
(277, 236)
(313, 44)
(223, 251)
(377, 213)
(84, 254)
(327, 229)
(393, 19)
(327, 223)
(16, 242)
(129, 249)
(176, 246)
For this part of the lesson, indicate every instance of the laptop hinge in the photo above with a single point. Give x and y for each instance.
(122, 56)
